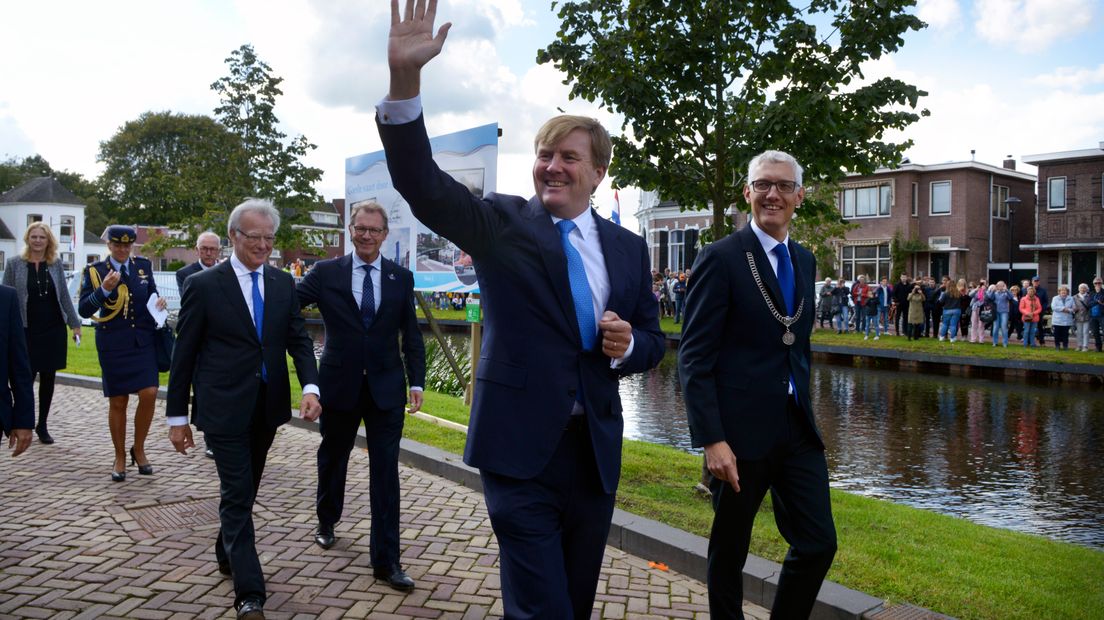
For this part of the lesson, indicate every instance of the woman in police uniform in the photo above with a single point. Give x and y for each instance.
(116, 291)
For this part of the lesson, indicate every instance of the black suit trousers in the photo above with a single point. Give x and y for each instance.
(796, 474)
(383, 430)
(240, 461)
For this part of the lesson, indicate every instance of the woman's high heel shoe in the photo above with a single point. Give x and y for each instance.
(145, 470)
(118, 476)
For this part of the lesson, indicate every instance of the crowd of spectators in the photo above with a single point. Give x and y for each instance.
(977, 311)
(669, 289)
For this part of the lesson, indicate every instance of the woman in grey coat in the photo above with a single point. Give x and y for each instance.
(47, 308)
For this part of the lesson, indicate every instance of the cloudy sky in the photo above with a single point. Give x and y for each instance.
(1005, 76)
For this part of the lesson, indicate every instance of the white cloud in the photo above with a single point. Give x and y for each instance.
(1071, 78)
(1031, 25)
(940, 14)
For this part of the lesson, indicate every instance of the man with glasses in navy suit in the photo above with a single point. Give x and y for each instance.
(744, 365)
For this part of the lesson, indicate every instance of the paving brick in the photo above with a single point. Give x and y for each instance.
(70, 545)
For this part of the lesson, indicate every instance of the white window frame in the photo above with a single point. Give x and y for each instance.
(883, 206)
(676, 250)
(33, 217)
(931, 198)
(999, 208)
(1050, 193)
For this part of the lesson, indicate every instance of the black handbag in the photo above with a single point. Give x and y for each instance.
(987, 314)
(163, 342)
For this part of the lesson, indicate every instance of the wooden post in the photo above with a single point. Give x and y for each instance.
(436, 329)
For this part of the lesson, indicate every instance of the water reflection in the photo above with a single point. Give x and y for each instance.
(1021, 457)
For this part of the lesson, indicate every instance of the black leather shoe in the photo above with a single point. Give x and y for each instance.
(224, 568)
(44, 435)
(145, 470)
(325, 536)
(395, 577)
(209, 453)
(251, 610)
(118, 476)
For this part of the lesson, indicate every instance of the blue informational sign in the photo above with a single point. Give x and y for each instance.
(471, 157)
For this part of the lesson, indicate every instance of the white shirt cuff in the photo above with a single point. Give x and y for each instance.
(310, 388)
(178, 420)
(398, 112)
(415, 388)
(621, 360)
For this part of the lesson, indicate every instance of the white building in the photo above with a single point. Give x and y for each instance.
(43, 200)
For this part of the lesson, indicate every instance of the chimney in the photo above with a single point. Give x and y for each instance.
(971, 154)
(1010, 163)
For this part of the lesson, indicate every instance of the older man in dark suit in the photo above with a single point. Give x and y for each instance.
(207, 249)
(367, 303)
(17, 389)
(744, 364)
(242, 319)
(568, 311)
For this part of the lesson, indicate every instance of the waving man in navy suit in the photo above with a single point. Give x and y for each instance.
(568, 311)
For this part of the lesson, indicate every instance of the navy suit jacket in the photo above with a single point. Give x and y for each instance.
(183, 273)
(126, 330)
(734, 368)
(352, 352)
(217, 350)
(16, 391)
(532, 360)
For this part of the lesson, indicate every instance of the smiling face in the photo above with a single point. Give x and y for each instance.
(37, 241)
(773, 209)
(369, 232)
(252, 242)
(119, 251)
(565, 175)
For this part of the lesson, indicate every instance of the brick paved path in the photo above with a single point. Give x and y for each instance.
(75, 544)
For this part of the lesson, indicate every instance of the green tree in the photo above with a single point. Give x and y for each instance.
(247, 107)
(174, 169)
(704, 85)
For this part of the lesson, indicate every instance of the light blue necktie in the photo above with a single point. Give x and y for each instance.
(258, 316)
(367, 298)
(580, 286)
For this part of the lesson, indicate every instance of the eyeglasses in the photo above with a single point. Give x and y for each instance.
(360, 231)
(256, 238)
(784, 187)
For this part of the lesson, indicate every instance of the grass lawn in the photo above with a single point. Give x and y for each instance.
(890, 551)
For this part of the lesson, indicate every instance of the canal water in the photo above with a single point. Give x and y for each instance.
(1023, 457)
(1002, 453)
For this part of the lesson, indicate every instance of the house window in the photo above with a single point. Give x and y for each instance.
(941, 198)
(999, 208)
(677, 250)
(33, 217)
(65, 230)
(67, 261)
(1056, 193)
(91, 258)
(869, 260)
(915, 199)
(867, 201)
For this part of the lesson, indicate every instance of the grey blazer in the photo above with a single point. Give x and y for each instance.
(15, 275)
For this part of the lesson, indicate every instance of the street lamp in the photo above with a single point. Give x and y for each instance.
(1011, 202)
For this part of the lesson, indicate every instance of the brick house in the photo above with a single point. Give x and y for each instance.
(953, 215)
(1070, 214)
(672, 234)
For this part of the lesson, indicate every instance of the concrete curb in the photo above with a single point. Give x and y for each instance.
(645, 538)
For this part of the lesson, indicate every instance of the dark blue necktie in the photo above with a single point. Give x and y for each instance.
(123, 272)
(258, 316)
(367, 298)
(785, 276)
(580, 286)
